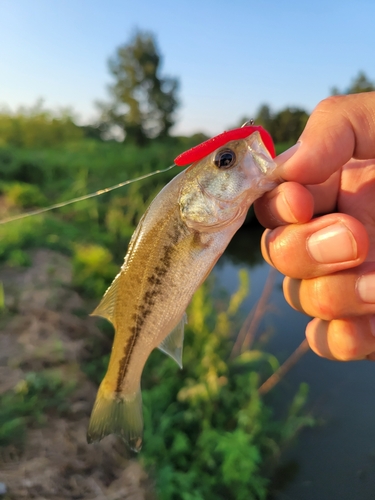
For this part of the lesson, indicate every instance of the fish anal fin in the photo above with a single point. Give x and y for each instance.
(117, 414)
(106, 307)
(172, 344)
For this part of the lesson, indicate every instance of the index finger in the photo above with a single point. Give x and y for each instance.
(339, 128)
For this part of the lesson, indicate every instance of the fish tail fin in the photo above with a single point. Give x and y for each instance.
(119, 414)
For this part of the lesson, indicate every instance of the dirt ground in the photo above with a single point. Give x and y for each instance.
(45, 324)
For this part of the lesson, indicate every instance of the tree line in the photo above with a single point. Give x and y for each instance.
(142, 106)
(143, 102)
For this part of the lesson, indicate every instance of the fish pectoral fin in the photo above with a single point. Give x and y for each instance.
(119, 414)
(106, 307)
(172, 344)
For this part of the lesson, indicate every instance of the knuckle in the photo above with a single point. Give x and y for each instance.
(319, 295)
(343, 340)
(283, 244)
(330, 102)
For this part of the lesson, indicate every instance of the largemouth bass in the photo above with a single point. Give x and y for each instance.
(175, 246)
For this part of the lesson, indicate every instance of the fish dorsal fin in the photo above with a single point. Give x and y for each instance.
(106, 307)
(173, 343)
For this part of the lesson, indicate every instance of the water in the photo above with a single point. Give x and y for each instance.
(335, 460)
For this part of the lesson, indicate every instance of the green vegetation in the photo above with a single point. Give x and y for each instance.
(208, 433)
(22, 195)
(142, 103)
(93, 268)
(36, 177)
(29, 403)
(37, 127)
(285, 126)
(360, 83)
(2, 297)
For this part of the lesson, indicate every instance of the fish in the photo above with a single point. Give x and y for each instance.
(176, 244)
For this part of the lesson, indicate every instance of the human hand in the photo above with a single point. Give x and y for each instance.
(329, 260)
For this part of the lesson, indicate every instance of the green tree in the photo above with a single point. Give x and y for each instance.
(287, 125)
(264, 116)
(284, 126)
(361, 83)
(142, 101)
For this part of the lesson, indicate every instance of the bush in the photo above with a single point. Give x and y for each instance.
(29, 402)
(43, 231)
(93, 269)
(23, 195)
(37, 127)
(208, 433)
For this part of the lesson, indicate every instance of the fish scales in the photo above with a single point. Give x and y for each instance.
(159, 261)
(178, 240)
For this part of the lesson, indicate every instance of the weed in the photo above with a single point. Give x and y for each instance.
(93, 269)
(23, 195)
(2, 298)
(28, 404)
(208, 433)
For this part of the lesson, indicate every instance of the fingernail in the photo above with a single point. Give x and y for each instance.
(366, 290)
(286, 155)
(332, 244)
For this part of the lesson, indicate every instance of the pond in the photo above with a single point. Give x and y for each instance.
(336, 459)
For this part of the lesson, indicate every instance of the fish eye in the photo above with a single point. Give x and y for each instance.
(225, 159)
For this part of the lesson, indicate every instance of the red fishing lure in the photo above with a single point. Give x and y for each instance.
(207, 147)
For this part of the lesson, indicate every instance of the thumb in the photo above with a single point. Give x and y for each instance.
(339, 128)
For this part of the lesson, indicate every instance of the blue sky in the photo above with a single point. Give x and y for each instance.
(230, 56)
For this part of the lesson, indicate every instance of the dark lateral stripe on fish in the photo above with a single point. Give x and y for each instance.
(145, 309)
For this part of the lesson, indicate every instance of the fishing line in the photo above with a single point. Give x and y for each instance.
(84, 197)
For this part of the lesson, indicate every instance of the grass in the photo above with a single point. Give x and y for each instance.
(208, 433)
(29, 403)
